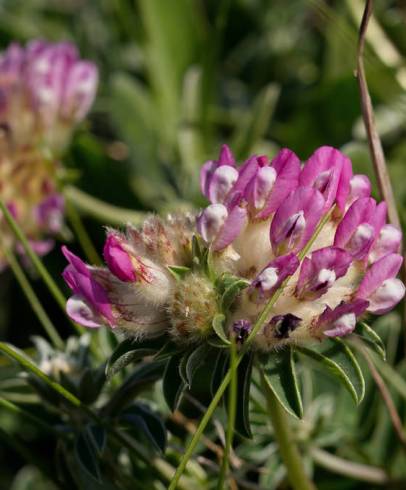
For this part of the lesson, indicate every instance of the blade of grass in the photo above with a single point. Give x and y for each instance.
(82, 235)
(52, 286)
(33, 299)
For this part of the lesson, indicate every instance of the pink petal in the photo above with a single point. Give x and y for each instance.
(233, 226)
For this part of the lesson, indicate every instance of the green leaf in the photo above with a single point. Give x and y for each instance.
(140, 419)
(194, 361)
(232, 292)
(168, 350)
(280, 375)
(91, 383)
(86, 456)
(371, 339)
(130, 351)
(178, 271)
(220, 368)
(244, 373)
(173, 384)
(218, 327)
(334, 368)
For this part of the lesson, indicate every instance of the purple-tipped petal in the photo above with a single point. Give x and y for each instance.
(295, 220)
(377, 287)
(117, 259)
(356, 231)
(260, 187)
(210, 221)
(49, 213)
(287, 167)
(272, 276)
(80, 312)
(319, 271)
(246, 173)
(79, 278)
(226, 156)
(342, 320)
(328, 171)
(233, 226)
(207, 171)
(221, 183)
(360, 186)
(387, 242)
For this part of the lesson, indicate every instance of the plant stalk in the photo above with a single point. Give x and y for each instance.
(287, 447)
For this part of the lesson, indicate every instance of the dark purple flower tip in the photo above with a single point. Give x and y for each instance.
(328, 171)
(272, 276)
(49, 213)
(118, 259)
(241, 329)
(357, 230)
(295, 220)
(319, 271)
(79, 278)
(379, 285)
(342, 320)
(283, 325)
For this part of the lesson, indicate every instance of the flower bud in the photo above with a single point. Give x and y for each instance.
(379, 286)
(49, 213)
(118, 259)
(319, 272)
(341, 320)
(388, 242)
(281, 326)
(295, 220)
(208, 172)
(241, 330)
(328, 171)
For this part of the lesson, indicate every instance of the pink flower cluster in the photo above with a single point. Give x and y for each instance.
(45, 90)
(262, 215)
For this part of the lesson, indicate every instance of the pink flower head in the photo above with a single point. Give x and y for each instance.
(295, 220)
(328, 171)
(380, 286)
(342, 320)
(272, 276)
(272, 183)
(90, 305)
(320, 271)
(219, 227)
(361, 223)
(50, 212)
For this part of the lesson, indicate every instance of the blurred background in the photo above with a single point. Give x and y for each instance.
(179, 78)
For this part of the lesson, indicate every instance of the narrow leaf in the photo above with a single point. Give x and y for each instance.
(173, 384)
(86, 457)
(244, 373)
(178, 271)
(280, 376)
(232, 292)
(195, 360)
(371, 339)
(219, 370)
(218, 327)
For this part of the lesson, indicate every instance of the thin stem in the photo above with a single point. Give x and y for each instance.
(374, 141)
(287, 446)
(223, 386)
(12, 407)
(232, 411)
(82, 235)
(42, 271)
(101, 210)
(357, 471)
(33, 299)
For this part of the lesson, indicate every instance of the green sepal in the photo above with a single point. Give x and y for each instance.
(178, 271)
(218, 327)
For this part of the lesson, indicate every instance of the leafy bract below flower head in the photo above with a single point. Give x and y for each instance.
(45, 91)
(256, 237)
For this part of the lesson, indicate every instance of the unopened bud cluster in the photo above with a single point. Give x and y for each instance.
(45, 91)
(311, 229)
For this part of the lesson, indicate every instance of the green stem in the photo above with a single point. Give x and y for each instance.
(287, 446)
(257, 326)
(12, 407)
(39, 266)
(101, 210)
(232, 411)
(82, 235)
(33, 299)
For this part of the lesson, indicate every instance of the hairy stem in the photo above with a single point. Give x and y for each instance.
(287, 447)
